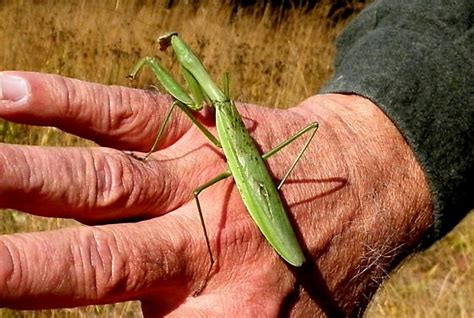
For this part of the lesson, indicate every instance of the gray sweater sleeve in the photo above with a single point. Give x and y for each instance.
(414, 59)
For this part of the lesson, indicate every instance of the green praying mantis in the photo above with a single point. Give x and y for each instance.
(245, 163)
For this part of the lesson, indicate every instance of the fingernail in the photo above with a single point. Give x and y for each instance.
(12, 88)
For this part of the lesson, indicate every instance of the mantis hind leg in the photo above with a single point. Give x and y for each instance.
(196, 193)
(314, 127)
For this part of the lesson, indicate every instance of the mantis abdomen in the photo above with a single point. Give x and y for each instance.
(256, 186)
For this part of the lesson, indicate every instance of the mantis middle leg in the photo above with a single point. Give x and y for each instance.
(313, 126)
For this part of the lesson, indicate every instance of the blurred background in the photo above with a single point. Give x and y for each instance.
(277, 52)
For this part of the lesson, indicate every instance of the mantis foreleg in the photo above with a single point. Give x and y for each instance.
(245, 163)
(181, 99)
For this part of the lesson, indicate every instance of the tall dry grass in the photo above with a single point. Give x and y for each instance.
(275, 59)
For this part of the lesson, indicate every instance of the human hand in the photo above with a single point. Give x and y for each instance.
(358, 200)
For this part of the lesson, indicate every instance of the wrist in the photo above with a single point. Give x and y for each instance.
(384, 209)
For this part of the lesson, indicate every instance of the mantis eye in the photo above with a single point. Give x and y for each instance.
(165, 40)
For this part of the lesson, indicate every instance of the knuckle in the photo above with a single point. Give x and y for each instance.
(127, 114)
(114, 186)
(9, 273)
(72, 92)
(119, 108)
(103, 268)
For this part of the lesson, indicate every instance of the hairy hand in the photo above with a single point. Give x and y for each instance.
(358, 200)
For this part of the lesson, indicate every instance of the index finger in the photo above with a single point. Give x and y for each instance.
(113, 116)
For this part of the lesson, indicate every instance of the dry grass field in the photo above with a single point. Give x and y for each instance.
(276, 58)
